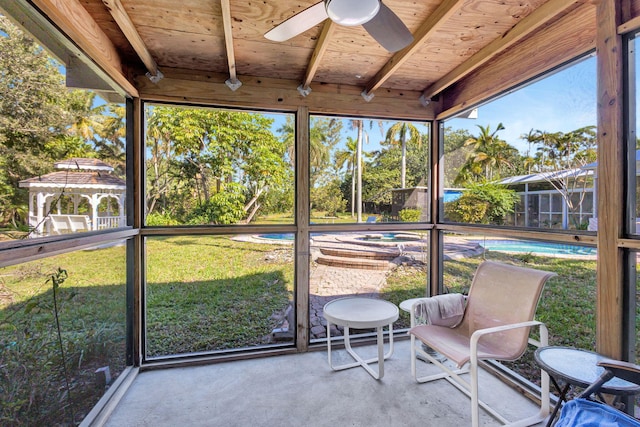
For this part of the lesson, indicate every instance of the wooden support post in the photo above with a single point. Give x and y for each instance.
(302, 234)
(138, 199)
(436, 239)
(611, 154)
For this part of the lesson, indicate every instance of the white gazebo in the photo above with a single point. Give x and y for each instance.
(75, 181)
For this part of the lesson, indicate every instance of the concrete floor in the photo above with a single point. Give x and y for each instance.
(301, 390)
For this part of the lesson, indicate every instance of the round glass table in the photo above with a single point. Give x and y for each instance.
(579, 368)
(361, 313)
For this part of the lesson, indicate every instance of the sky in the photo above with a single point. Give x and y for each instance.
(563, 101)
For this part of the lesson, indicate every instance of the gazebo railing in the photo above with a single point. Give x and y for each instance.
(103, 222)
(45, 228)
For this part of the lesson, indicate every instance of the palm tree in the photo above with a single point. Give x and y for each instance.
(89, 119)
(111, 142)
(490, 154)
(400, 134)
(320, 142)
(349, 157)
(358, 124)
(530, 161)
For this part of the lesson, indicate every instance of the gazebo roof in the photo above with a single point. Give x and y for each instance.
(78, 163)
(90, 174)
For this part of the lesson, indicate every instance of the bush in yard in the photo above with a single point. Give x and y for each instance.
(482, 203)
(225, 207)
(329, 199)
(410, 215)
(158, 219)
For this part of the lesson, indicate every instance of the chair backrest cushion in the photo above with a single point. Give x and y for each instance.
(502, 294)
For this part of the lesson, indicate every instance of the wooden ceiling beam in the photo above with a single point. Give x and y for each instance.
(318, 53)
(522, 29)
(519, 66)
(233, 81)
(631, 25)
(74, 21)
(428, 27)
(129, 30)
(195, 87)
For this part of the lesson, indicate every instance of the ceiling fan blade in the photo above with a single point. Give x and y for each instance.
(388, 30)
(298, 23)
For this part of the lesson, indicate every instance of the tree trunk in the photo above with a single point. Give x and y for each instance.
(403, 161)
(359, 162)
(253, 199)
(353, 191)
(253, 212)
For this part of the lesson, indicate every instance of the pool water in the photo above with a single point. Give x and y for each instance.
(277, 236)
(536, 247)
(389, 237)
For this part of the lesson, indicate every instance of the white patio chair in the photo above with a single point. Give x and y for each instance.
(498, 316)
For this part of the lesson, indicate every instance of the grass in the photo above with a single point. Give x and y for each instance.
(204, 293)
(92, 312)
(317, 217)
(213, 293)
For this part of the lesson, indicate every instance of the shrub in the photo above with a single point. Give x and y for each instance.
(483, 203)
(155, 219)
(329, 199)
(410, 215)
(225, 207)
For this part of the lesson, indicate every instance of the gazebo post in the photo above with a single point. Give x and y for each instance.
(121, 213)
(31, 213)
(41, 199)
(94, 202)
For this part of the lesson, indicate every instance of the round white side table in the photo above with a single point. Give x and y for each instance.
(361, 313)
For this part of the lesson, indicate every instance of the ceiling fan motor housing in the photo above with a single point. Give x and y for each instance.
(352, 12)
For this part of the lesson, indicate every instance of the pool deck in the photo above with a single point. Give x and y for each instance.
(352, 275)
(330, 282)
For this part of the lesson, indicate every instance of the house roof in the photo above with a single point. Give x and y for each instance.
(546, 176)
(594, 165)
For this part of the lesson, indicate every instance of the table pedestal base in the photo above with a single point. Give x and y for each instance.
(359, 361)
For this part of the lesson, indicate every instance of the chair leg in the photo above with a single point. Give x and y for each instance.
(413, 356)
(471, 388)
(475, 409)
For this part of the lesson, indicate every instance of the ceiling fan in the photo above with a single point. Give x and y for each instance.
(377, 19)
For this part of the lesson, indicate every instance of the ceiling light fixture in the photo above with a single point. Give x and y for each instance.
(352, 12)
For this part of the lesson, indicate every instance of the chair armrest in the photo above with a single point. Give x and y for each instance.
(619, 364)
(625, 370)
(475, 337)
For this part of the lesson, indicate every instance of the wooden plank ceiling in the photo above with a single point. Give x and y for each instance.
(452, 40)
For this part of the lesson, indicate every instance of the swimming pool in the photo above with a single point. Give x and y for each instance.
(277, 237)
(390, 237)
(536, 247)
